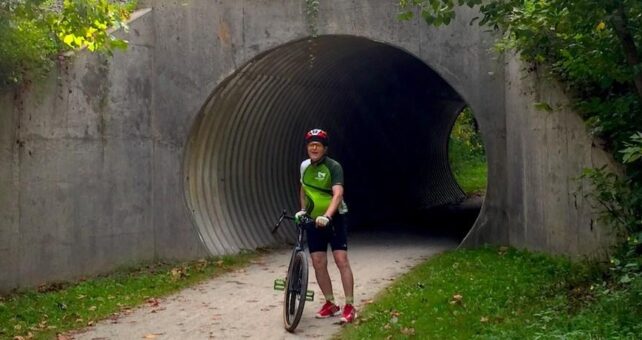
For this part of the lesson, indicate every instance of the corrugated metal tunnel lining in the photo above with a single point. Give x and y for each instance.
(388, 115)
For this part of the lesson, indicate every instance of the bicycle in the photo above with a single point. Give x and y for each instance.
(296, 280)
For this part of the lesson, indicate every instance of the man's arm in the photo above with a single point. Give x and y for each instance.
(302, 197)
(337, 197)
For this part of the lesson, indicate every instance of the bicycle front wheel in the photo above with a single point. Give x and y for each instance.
(296, 287)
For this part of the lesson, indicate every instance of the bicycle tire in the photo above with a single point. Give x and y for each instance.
(296, 285)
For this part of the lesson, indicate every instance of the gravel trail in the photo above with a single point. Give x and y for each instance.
(243, 304)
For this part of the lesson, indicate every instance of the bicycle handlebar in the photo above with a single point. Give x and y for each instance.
(284, 215)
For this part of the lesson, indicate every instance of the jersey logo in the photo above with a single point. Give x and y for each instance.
(320, 176)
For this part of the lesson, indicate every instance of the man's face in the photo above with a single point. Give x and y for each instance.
(316, 150)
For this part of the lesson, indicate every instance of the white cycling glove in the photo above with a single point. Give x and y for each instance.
(298, 215)
(322, 221)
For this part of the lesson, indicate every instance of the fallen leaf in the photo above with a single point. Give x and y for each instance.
(153, 302)
(457, 299)
(408, 331)
(483, 319)
(178, 273)
(149, 336)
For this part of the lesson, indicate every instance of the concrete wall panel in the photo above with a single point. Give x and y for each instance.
(546, 152)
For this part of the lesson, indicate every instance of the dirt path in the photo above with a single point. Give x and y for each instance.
(243, 304)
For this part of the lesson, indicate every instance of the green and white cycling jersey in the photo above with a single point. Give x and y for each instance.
(317, 181)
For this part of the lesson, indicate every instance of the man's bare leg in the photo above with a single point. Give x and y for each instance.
(341, 259)
(320, 264)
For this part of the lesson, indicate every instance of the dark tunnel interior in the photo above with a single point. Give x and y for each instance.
(388, 115)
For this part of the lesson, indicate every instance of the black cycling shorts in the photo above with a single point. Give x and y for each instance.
(335, 234)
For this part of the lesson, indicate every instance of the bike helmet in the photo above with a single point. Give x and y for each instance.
(317, 135)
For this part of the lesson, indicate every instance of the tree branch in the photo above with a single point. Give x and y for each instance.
(628, 43)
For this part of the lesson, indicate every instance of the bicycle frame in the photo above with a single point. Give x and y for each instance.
(279, 284)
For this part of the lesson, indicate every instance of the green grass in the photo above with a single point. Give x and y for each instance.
(471, 175)
(501, 293)
(467, 155)
(60, 307)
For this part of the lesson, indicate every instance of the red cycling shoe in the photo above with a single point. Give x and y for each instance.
(349, 314)
(329, 309)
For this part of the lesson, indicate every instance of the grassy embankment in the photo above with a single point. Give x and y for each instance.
(502, 293)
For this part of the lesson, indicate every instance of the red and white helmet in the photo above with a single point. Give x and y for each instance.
(317, 135)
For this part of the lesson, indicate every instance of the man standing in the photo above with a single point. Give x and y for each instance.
(321, 197)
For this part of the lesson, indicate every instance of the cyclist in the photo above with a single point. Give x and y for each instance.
(321, 197)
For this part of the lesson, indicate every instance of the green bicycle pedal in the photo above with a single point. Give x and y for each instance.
(279, 284)
(309, 295)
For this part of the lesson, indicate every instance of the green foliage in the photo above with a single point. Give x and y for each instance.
(500, 293)
(466, 130)
(620, 202)
(60, 307)
(619, 199)
(466, 154)
(633, 151)
(434, 12)
(84, 23)
(33, 33)
(26, 43)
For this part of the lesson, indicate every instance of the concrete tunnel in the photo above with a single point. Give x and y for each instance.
(388, 114)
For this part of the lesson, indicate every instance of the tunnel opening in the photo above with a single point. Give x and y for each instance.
(389, 117)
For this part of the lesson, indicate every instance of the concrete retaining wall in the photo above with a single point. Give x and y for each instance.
(77, 174)
(547, 151)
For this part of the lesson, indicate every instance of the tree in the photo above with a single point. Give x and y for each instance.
(34, 32)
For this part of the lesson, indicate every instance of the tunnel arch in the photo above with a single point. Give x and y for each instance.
(389, 116)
